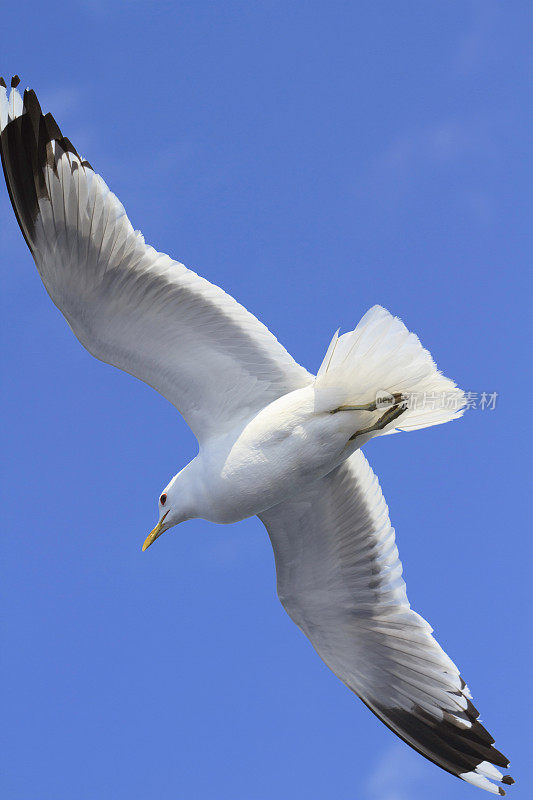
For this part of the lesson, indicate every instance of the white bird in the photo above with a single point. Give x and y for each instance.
(274, 440)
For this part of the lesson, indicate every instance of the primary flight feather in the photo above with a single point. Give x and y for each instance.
(275, 441)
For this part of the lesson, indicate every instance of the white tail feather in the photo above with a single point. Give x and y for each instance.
(379, 358)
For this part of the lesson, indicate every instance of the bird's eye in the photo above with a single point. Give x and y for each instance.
(163, 499)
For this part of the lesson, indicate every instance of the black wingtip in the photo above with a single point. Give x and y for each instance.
(15, 80)
(53, 129)
(29, 96)
(501, 791)
(68, 147)
(2, 82)
(86, 164)
(508, 780)
(32, 105)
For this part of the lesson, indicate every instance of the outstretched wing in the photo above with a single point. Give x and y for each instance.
(340, 579)
(129, 305)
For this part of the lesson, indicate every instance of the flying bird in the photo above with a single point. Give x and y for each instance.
(274, 440)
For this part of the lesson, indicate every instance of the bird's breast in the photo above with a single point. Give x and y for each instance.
(278, 454)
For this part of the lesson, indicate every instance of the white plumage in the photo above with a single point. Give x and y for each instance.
(355, 611)
(274, 440)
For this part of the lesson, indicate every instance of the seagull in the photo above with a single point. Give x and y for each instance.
(274, 440)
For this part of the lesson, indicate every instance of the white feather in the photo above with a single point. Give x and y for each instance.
(339, 578)
(147, 314)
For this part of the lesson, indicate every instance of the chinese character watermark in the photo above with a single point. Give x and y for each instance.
(453, 400)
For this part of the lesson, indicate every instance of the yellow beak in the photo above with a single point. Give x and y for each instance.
(153, 535)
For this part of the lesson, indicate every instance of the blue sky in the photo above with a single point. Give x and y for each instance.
(313, 159)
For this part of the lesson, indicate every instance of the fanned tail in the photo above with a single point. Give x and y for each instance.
(381, 362)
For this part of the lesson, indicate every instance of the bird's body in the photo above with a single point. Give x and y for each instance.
(274, 440)
(278, 453)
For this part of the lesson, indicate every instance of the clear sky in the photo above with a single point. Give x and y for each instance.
(313, 158)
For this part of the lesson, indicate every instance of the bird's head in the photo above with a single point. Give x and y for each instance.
(171, 512)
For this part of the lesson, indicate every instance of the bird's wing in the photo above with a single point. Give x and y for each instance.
(339, 578)
(129, 305)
